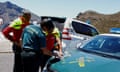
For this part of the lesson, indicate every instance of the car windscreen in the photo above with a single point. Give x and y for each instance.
(84, 29)
(108, 44)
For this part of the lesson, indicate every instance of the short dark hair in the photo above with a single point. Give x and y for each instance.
(26, 13)
(48, 24)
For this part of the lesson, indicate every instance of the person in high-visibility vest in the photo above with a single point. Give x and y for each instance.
(53, 43)
(13, 33)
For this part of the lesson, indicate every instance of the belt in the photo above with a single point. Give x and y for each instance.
(27, 49)
(31, 50)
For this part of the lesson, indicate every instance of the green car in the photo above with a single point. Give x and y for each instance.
(100, 54)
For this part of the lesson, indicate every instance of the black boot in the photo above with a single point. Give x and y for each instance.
(49, 69)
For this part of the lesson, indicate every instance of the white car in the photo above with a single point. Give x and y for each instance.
(74, 32)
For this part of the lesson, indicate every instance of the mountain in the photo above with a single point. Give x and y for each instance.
(103, 22)
(10, 11)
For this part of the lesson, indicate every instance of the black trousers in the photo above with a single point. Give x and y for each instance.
(31, 61)
(18, 65)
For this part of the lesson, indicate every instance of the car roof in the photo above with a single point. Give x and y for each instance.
(109, 34)
(63, 19)
(69, 21)
(73, 19)
(53, 18)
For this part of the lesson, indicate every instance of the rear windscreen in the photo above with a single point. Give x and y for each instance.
(58, 22)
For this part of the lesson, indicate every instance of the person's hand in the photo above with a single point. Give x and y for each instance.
(60, 54)
(18, 43)
(46, 51)
(57, 54)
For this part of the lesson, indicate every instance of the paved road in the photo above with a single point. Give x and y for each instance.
(5, 45)
(6, 62)
(6, 55)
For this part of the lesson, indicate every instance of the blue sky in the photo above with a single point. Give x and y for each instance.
(67, 8)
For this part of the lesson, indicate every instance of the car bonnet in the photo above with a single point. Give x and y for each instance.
(79, 61)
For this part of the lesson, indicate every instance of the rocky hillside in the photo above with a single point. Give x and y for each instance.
(10, 11)
(101, 21)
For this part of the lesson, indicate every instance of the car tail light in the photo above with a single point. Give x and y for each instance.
(65, 34)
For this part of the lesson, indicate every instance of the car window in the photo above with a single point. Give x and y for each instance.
(84, 29)
(107, 44)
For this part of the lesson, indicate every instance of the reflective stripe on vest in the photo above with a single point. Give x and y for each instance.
(17, 24)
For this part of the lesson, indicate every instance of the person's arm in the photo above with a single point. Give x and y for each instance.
(42, 37)
(46, 51)
(58, 40)
(10, 29)
(59, 45)
(6, 32)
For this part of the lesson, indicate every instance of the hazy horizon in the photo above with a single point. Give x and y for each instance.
(67, 8)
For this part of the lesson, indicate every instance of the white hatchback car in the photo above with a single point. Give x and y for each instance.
(74, 32)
